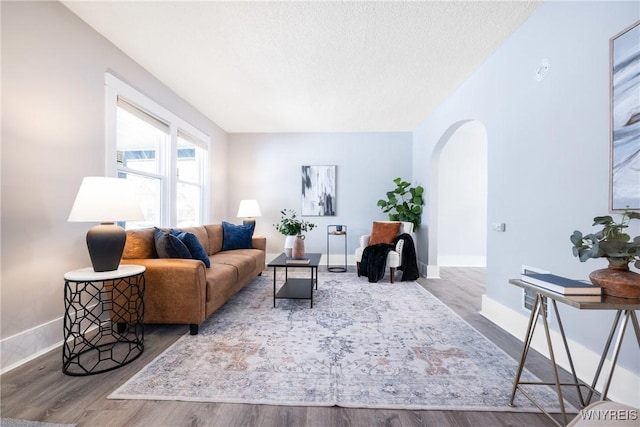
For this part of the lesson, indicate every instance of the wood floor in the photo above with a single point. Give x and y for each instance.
(39, 391)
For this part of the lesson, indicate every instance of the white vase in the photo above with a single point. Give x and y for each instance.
(288, 245)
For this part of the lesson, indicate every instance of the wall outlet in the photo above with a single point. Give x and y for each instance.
(498, 226)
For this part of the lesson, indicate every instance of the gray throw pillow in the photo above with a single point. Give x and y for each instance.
(169, 246)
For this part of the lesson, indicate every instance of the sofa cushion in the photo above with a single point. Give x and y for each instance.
(220, 280)
(243, 260)
(384, 232)
(169, 246)
(140, 244)
(201, 234)
(193, 244)
(214, 235)
(236, 236)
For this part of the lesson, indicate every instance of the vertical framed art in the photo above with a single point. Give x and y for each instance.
(319, 190)
(624, 191)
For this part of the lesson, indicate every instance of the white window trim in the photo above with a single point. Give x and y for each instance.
(115, 87)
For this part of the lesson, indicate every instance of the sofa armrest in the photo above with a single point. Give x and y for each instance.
(175, 290)
(364, 240)
(259, 242)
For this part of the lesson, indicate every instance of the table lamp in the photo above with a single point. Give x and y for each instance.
(105, 200)
(248, 210)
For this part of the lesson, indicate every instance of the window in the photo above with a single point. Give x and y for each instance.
(190, 158)
(163, 155)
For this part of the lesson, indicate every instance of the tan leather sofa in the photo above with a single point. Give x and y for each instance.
(184, 291)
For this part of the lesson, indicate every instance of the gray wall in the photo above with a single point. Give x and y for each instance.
(267, 167)
(53, 134)
(548, 150)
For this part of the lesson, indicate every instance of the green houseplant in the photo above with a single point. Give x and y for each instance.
(613, 243)
(404, 203)
(290, 225)
(293, 227)
(610, 242)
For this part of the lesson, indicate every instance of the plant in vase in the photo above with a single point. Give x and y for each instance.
(293, 227)
(618, 247)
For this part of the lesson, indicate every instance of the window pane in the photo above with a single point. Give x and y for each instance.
(148, 189)
(138, 142)
(189, 161)
(188, 204)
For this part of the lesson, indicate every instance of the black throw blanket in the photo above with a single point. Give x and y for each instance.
(409, 265)
(374, 260)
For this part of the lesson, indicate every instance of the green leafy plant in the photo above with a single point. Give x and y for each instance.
(404, 203)
(290, 225)
(611, 242)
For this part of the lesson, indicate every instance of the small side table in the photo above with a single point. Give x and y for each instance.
(103, 322)
(337, 230)
(625, 313)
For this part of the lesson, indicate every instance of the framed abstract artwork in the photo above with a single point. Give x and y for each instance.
(624, 191)
(319, 190)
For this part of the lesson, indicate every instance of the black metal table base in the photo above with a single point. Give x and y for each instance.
(103, 324)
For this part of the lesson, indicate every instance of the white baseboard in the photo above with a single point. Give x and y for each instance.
(462, 261)
(27, 345)
(429, 271)
(624, 385)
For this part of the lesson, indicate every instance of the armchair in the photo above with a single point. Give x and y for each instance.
(380, 228)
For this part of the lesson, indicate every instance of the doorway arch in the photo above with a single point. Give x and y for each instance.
(458, 197)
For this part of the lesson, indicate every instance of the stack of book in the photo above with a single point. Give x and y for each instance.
(562, 285)
(301, 261)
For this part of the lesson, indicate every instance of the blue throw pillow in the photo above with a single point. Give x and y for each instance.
(169, 246)
(236, 236)
(193, 244)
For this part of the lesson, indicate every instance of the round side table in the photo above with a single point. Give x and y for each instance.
(103, 322)
(337, 230)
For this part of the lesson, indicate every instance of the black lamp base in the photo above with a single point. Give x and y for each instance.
(249, 221)
(106, 244)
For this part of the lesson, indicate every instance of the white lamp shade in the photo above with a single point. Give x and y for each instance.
(102, 199)
(249, 208)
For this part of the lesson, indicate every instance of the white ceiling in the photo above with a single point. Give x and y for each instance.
(309, 66)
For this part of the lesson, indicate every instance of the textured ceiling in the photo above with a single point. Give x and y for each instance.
(308, 66)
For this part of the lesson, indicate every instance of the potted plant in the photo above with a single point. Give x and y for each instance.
(292, 227)
(613, 243)
(404, 203)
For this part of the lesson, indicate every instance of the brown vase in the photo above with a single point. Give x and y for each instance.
(298, 247)
(617, 281)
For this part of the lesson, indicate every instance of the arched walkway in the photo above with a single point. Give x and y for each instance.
(458, 197)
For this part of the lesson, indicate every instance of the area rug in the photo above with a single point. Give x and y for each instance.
(365, 345)
(13, 422)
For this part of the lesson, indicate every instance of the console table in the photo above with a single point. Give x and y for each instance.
(103, 321)
(625, 311)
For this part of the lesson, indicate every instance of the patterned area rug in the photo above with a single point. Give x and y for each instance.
(368, 345)
(13, 422)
